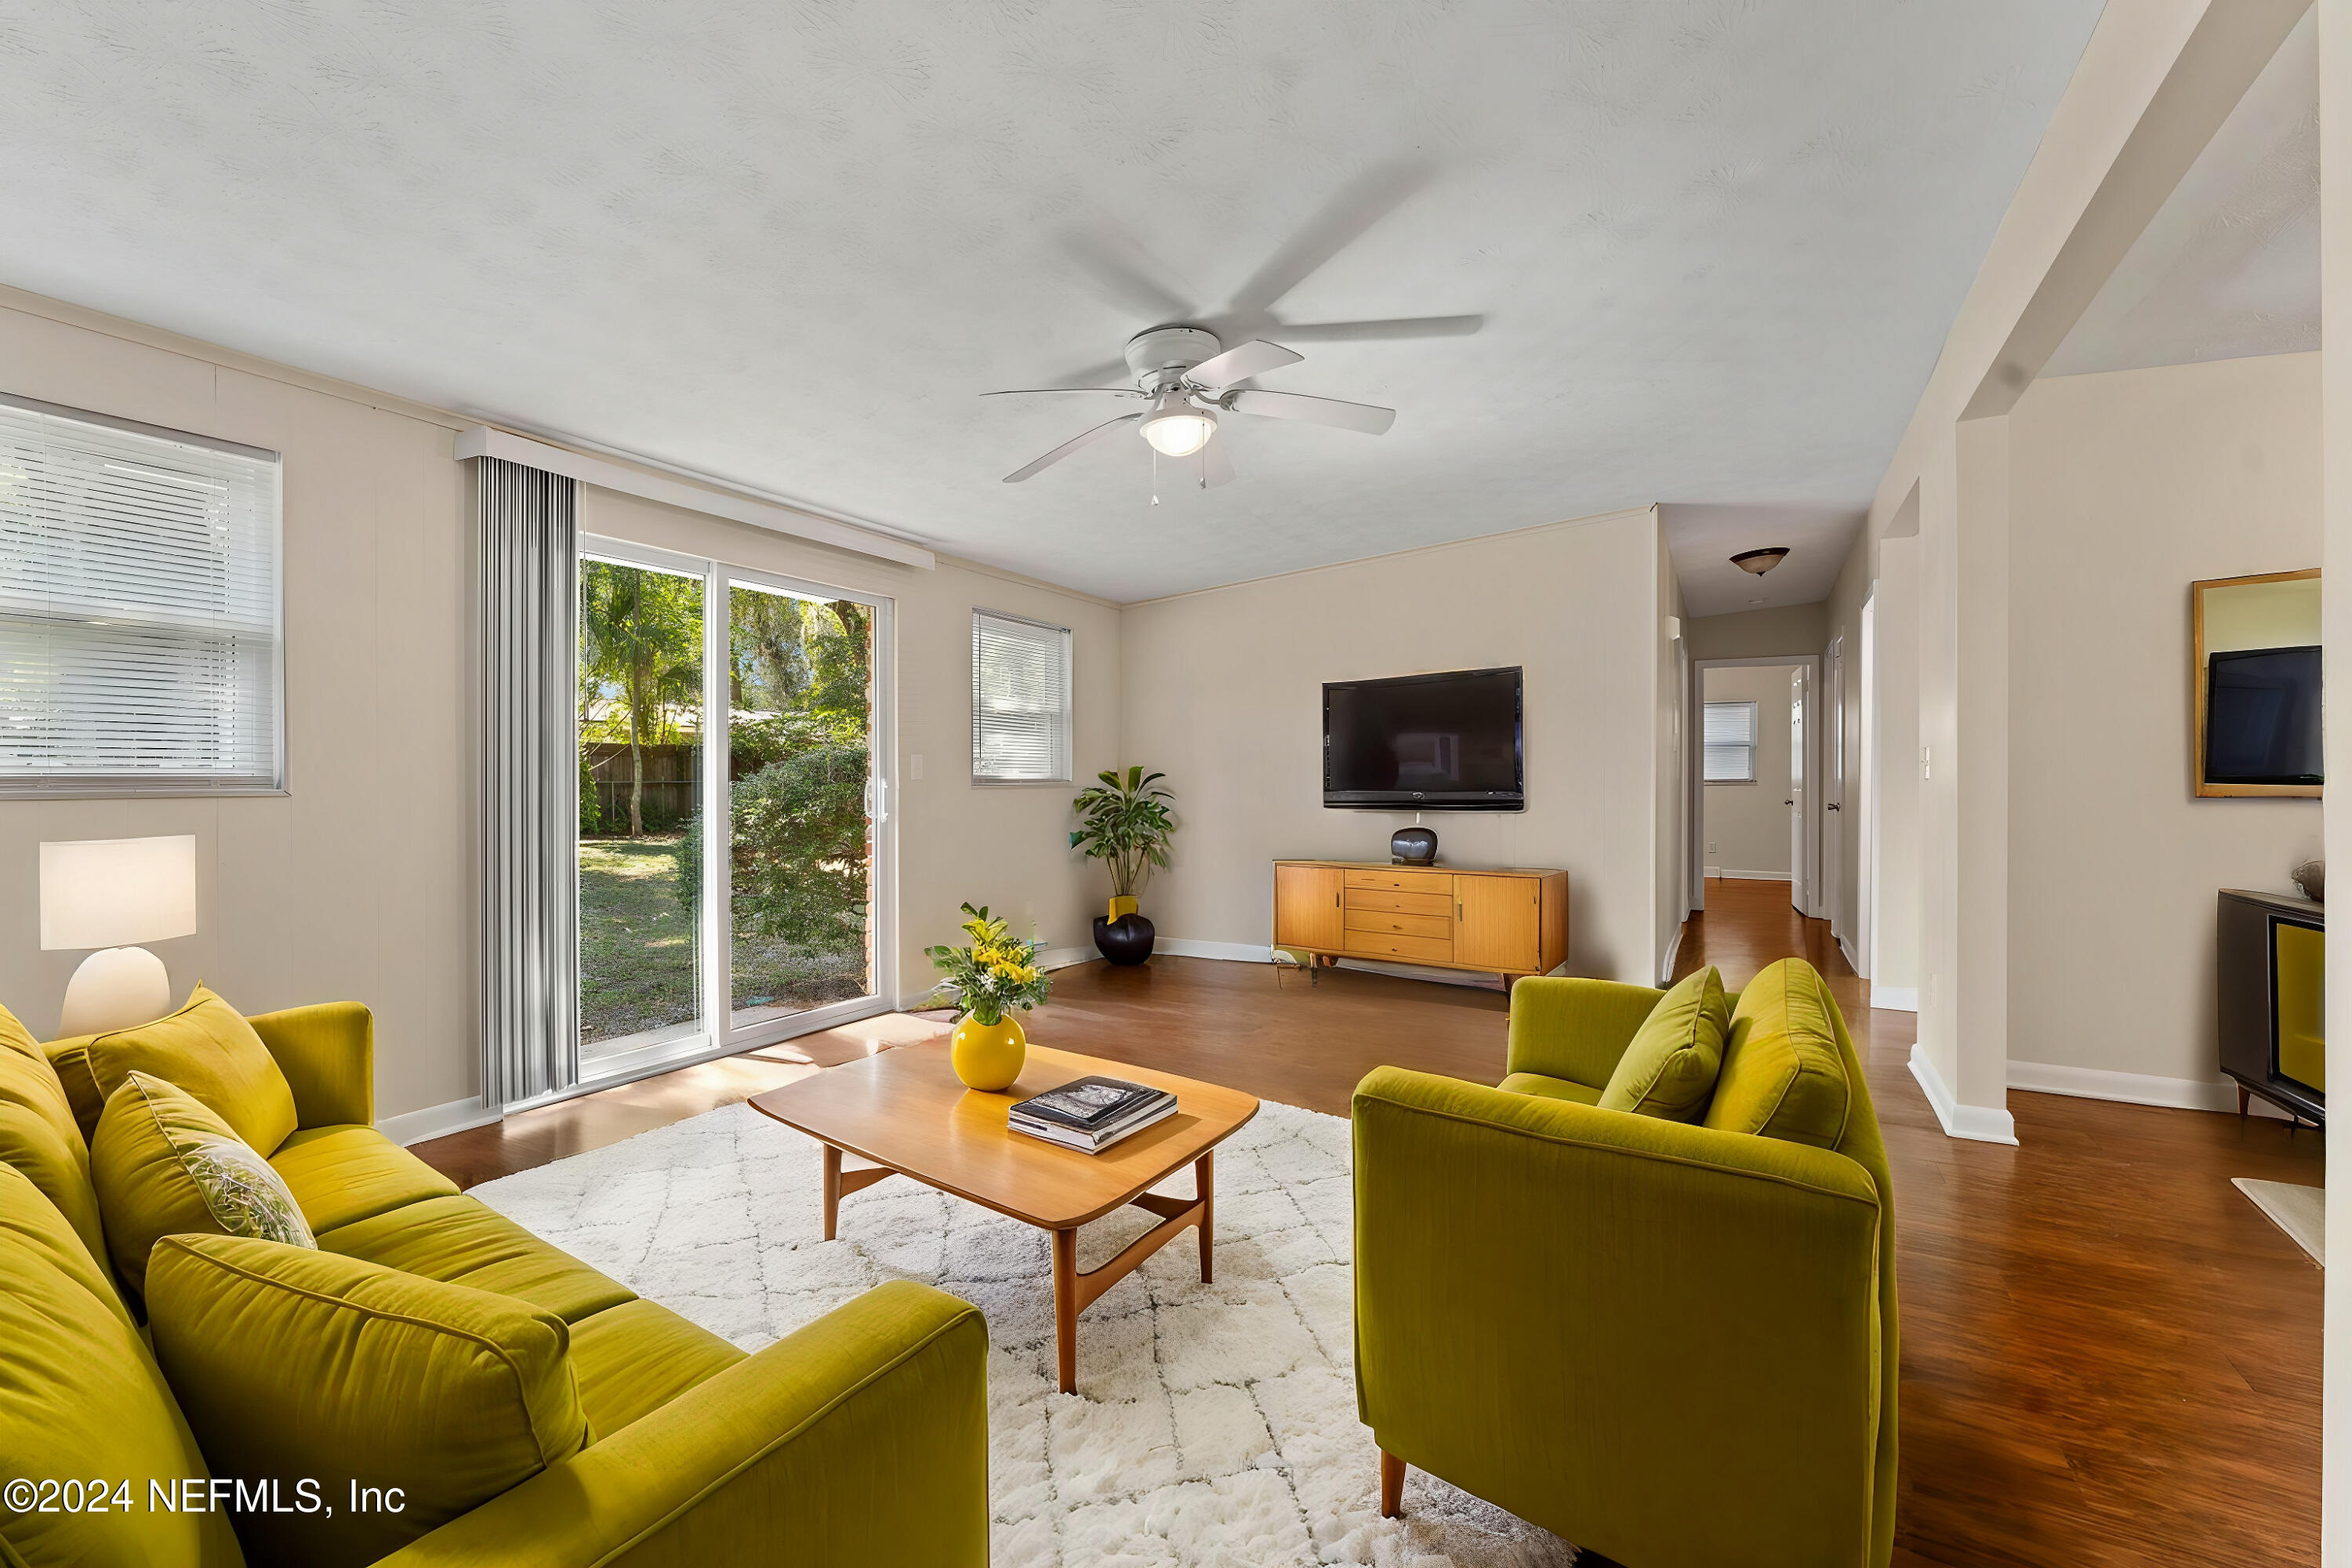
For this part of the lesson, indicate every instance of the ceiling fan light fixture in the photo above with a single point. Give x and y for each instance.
(1760, 561)
(1178, 427)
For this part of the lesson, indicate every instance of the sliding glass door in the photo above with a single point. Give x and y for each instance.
(733, 843)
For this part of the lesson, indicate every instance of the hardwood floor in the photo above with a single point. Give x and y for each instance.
(2109, 1356)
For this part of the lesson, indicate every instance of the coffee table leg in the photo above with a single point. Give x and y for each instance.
(832, 1190)
(1066, 1306)
(1204, 1187)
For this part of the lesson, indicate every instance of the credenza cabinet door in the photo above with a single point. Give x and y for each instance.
(1307, 909)
(1498, 923)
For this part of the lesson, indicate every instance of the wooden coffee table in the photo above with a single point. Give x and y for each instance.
(905, 1109)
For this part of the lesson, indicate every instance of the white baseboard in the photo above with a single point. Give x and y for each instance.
(1979, 1123)
(1853, 955)
(1667, 964)
(1061, 958)
(1753, 876)
(2131, 1087)
(1713, 870)
(435, 1120)
(1232, 951)
(1895, 998)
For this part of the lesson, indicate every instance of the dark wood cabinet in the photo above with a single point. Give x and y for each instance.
(2271, 984)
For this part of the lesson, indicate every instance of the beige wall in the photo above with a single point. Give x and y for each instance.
(1893, 956)
(2126, 487)
(1758, 633)
(357, 882)
(1223, 690)
(1005, 845)
(1747, 825)
(1670, 820)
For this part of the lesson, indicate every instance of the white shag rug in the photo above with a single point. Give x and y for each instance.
(1214, 1423)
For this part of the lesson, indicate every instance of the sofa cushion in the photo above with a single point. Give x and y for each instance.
(162, 1165)
(638, 1357)
(343, 1175)
(301, 1364)
(1783, 1075)
(80, 1396)
(1670, 1068)
(39, 1136)
(463, 1241)
(207, 1048)
(1551, 1087)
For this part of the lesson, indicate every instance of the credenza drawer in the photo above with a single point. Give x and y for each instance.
(1402, 882)
(1372, 899)
(1411, 949)
(1387, 924)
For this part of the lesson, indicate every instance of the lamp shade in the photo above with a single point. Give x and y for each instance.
(114, 892)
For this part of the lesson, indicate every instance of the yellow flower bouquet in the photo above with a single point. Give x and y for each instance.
(995, 975)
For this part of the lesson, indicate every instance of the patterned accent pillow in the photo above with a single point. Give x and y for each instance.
(163, 1164)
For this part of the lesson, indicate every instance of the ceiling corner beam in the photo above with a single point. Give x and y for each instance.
(485, 441)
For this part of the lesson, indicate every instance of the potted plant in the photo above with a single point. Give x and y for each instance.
(994, 975)
(1124, 823)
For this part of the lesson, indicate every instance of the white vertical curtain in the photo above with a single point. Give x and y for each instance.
(531, 782)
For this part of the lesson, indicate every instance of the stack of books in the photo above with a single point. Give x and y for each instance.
(1093, 1113)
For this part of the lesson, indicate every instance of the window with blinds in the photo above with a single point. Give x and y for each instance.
(1727, 743)
(1020, 700)
(139, 646)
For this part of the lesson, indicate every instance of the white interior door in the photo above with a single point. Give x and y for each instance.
(1801, 888)
(1833, 789)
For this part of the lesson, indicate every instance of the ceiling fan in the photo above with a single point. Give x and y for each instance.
(1186, 379)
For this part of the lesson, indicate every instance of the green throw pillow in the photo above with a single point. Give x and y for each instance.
(162, 1164)
(1783, 1075)
(308, 1363)
(206, 1048)
(1669, 1070)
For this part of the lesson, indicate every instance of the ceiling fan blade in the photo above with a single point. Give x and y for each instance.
(1070, 446)
(1366, 200)
(1361, 416)
(1032, 391)
(1378, 331)
(1241, 362)
(1216, 463)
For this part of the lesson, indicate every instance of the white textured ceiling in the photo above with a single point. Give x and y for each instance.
(1716, 244)
(1703, 539)
(2230, 266)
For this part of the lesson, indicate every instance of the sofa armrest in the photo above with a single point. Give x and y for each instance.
(328, 1055)
(1575, 1029)
(861, 1439)
(1574, 1312)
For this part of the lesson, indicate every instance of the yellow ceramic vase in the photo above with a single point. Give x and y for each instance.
(989, 1056)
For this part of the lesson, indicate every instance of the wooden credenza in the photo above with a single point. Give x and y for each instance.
(1505, 922)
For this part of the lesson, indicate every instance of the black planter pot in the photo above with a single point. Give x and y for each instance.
(1126, 940)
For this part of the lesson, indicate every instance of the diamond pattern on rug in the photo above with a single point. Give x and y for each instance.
(1214, 1424)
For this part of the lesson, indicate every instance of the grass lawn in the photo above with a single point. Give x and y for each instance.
(637, 968)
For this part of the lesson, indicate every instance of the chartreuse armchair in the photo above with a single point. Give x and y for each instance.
(1674, 1344)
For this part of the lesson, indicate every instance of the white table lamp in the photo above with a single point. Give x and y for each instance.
(109, 893)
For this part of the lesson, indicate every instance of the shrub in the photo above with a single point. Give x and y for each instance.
(800, 849)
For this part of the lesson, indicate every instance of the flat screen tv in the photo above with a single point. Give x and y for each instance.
(2262, 717)
(1426, 742)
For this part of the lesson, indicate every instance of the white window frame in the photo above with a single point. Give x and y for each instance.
(716, 1033)
(116, 785)
(1754, 736)
(1066, 750)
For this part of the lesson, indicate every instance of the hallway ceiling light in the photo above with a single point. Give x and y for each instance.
(1760, 561)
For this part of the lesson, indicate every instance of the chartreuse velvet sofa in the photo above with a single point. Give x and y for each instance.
(1670, 1342)
(212, 1399)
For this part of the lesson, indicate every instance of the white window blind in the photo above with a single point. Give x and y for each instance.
(1020, 700)
(140, 648)
(1727, 743)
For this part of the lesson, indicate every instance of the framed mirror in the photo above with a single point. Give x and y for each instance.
(2255, 676)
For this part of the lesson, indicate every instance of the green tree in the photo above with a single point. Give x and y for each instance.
(640, 643)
